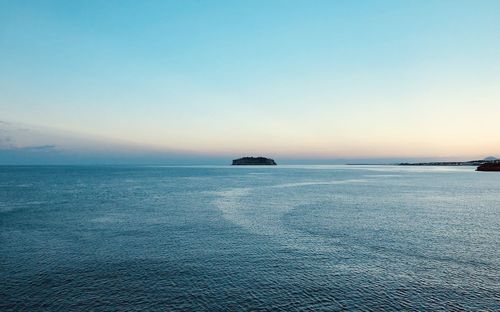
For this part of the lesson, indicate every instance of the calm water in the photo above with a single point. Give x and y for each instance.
(220, 238)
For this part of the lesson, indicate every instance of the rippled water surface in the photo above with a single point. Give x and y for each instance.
(312, 238)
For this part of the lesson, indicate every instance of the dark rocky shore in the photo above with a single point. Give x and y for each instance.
(490, 166)
(254, 161)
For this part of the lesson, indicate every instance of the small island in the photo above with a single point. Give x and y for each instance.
(254, 161)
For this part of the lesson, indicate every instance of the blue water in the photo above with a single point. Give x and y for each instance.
(310, 238)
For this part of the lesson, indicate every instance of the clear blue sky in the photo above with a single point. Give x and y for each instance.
(310, 79)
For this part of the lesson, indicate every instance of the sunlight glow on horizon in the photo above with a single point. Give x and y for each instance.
(295, 79)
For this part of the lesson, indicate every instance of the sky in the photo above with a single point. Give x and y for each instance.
(162, 81)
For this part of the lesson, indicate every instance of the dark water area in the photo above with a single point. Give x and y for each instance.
(297, 238)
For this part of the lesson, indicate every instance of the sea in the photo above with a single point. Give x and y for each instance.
(222, 238)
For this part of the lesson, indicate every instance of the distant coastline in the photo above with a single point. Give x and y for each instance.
(448, 163)
(478, 162)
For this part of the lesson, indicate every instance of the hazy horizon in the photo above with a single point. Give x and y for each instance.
(22, 144)
(175, 82)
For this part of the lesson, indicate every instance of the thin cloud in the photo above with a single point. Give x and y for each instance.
(39, 148)
(34, 148)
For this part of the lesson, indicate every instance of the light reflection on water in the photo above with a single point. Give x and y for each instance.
(253, 238)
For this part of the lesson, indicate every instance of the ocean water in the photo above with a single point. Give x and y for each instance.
(297, 238)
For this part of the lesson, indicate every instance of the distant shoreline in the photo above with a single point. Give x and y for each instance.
(450, 163)
(435, 163)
